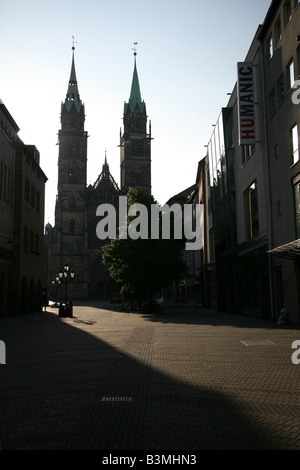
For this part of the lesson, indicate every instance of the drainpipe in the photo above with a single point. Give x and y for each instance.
(268, 185)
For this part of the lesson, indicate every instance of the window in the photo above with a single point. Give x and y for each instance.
(247, 152)
(27, 190)
(73, 149)
(137, 148)
(270, 48)
(280, 89)
(31, 242)
(290, 74)
(251, 205)
(277, 31)
(72, 226)
(295, 143)
(25, 240)
(37, 245)
(287, 12)
(297, 209)
(296, 3)
(37, 202)
(32, 199)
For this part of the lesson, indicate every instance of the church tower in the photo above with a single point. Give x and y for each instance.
(69, 240)
(135, 143)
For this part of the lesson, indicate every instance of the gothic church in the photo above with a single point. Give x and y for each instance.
(73, 238)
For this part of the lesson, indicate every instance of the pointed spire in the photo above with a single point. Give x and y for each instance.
(105, 168)
(73, 80)
(73, 96)
(135, 92)
(105, 175)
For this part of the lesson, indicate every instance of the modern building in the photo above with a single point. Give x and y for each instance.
(73, 238)
(254, 174)
(280, 42)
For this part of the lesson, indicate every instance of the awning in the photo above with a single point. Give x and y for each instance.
(290, 250)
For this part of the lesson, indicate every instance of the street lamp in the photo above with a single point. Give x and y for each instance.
(57, 280)
(65, 274)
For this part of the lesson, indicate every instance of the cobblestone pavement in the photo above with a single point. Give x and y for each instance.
(184, 379)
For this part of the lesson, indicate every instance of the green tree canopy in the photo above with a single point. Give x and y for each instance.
(144, 266)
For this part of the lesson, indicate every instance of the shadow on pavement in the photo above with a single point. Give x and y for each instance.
(63, 388)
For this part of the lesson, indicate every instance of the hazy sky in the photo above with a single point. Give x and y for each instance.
(187, 55)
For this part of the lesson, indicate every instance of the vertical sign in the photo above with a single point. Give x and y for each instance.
(246, 106)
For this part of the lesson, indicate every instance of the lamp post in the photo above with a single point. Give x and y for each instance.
(57, 280)
(65, 274)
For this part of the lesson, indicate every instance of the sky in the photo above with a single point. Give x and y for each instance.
(187, 51)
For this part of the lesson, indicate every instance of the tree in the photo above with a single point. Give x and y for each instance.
(144, 265)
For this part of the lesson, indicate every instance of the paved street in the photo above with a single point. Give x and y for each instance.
(184, 379)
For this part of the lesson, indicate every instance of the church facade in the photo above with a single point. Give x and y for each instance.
(73, 240)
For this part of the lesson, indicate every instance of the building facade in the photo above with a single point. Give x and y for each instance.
(69, 237)
(280, 41)
(8, 138)
(73, 238)
(22, 198)
(253, 172)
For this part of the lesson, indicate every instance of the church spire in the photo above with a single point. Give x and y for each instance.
(72, 96)
(135, 143)
(135, 92)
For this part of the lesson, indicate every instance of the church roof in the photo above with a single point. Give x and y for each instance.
(72, 96)
(105, 176)
(135, 93)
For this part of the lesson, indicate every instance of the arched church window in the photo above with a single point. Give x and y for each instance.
(72, 226)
